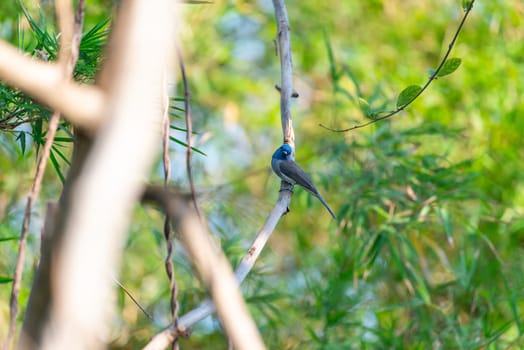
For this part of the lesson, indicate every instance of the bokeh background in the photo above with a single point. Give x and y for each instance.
(427, 249)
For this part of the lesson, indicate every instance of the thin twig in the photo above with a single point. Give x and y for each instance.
(168, 263)
(31, 198)
(101, 199)
(286, 72)
(11, 126)
(39, 79)
(170, 271)
(12, 115)
(206, 308)
(431, 79)
(68, 61)
(212, 266)
(189, 128)
(148, 315)
(165, 142)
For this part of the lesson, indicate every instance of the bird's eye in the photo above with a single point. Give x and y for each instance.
(286, 150)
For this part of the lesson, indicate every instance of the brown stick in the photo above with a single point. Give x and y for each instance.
(68, 57)
(213, 268)
(162, 340)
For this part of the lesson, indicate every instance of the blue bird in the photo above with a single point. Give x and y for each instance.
(290, 172)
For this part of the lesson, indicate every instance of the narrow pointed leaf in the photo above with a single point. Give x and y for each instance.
(364, 106)
(21, 138)
(56, 165)
(180, 142)
(4, 279)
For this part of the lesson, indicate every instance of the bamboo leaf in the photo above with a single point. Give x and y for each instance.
(56, 165)
(4, 279)
(175, 140)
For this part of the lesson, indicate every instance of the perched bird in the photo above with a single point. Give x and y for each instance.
(290, 172)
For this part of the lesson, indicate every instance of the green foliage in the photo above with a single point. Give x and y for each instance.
(427, 249)
(407, 95)
(449, 66)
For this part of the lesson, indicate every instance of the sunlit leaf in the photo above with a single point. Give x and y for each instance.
(56, 165)
(444, 217)
(466, 4)
(364, 106)
(63, 139)
(449, 66)
(61, 155)
(407, 95)
(4, 279)
(331, 58)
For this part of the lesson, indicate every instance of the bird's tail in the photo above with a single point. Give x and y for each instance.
(326, 205)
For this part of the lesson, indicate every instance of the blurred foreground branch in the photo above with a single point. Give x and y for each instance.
(206, 308)
(70, 300)
(213, 268)
(71, 29)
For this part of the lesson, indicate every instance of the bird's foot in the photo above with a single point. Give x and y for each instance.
(286, 186)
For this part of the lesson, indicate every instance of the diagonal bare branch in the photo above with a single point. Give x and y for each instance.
(163, 339)
(68, 45)
(44, 82)
(213, 268)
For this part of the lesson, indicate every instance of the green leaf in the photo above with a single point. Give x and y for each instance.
(181, 129)
(444, 217)
(61, 155)
(95, 36)
(407, 95)
(185, 145)
(466, 4)
(375, 249)
(46, 41)
(21, 138)
(56, 165)
(177, 128)
(4, 279)
(331, 58)
(63, 139)
(9, 238)
(364, 106)
(449, 66)
(175, 108)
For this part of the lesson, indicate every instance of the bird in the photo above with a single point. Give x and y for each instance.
(289, 171)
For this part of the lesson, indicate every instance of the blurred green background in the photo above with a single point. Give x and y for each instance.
(426, 251)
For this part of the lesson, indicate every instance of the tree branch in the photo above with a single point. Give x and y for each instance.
(189, 129)
(286, 72)
(163, 339)
(431, 78)
(213, 268)
(105, 180)
(44, 82)
(67, 63)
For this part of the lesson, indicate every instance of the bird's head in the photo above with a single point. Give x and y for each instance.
(283, 152)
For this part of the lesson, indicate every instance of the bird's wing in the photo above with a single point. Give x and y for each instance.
(291, 170)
